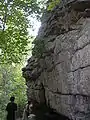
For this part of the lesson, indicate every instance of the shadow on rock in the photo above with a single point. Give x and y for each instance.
(43, 112)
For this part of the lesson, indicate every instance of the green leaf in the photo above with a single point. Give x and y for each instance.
(52, 4)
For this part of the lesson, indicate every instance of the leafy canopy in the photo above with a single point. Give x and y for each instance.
(14, 22)
(11, 83)
(14, 37)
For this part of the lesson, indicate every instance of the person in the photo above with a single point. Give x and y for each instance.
(27, 110)
(11, 109)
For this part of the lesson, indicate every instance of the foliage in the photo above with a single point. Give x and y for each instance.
(39, 48)
(39, 45)
(11, 83)
(52, 4)
(14, 39)
(14, 22)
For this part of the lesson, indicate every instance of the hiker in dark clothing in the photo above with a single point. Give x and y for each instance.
(11, 109)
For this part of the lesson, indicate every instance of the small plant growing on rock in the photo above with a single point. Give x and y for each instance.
(39, 48)
(52, 4)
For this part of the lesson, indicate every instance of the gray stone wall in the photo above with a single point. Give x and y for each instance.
(64, 69)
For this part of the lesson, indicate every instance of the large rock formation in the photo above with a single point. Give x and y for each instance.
(64, 69)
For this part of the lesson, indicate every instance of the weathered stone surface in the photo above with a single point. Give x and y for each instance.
(81, 58)
(65, 66)
(66, 41)
(77, 106)
(84, 82)
(84, 38)
(81, 5)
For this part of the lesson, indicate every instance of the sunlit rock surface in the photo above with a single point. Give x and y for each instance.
(64, 70)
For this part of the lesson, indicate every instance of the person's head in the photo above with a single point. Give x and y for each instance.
(12, 99)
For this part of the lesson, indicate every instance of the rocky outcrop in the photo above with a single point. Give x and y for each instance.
(64, 69)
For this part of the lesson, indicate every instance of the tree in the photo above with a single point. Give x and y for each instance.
(11, 83)
(14, 37)
(14, 22)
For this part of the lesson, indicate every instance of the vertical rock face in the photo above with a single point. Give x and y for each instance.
(64, 69)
